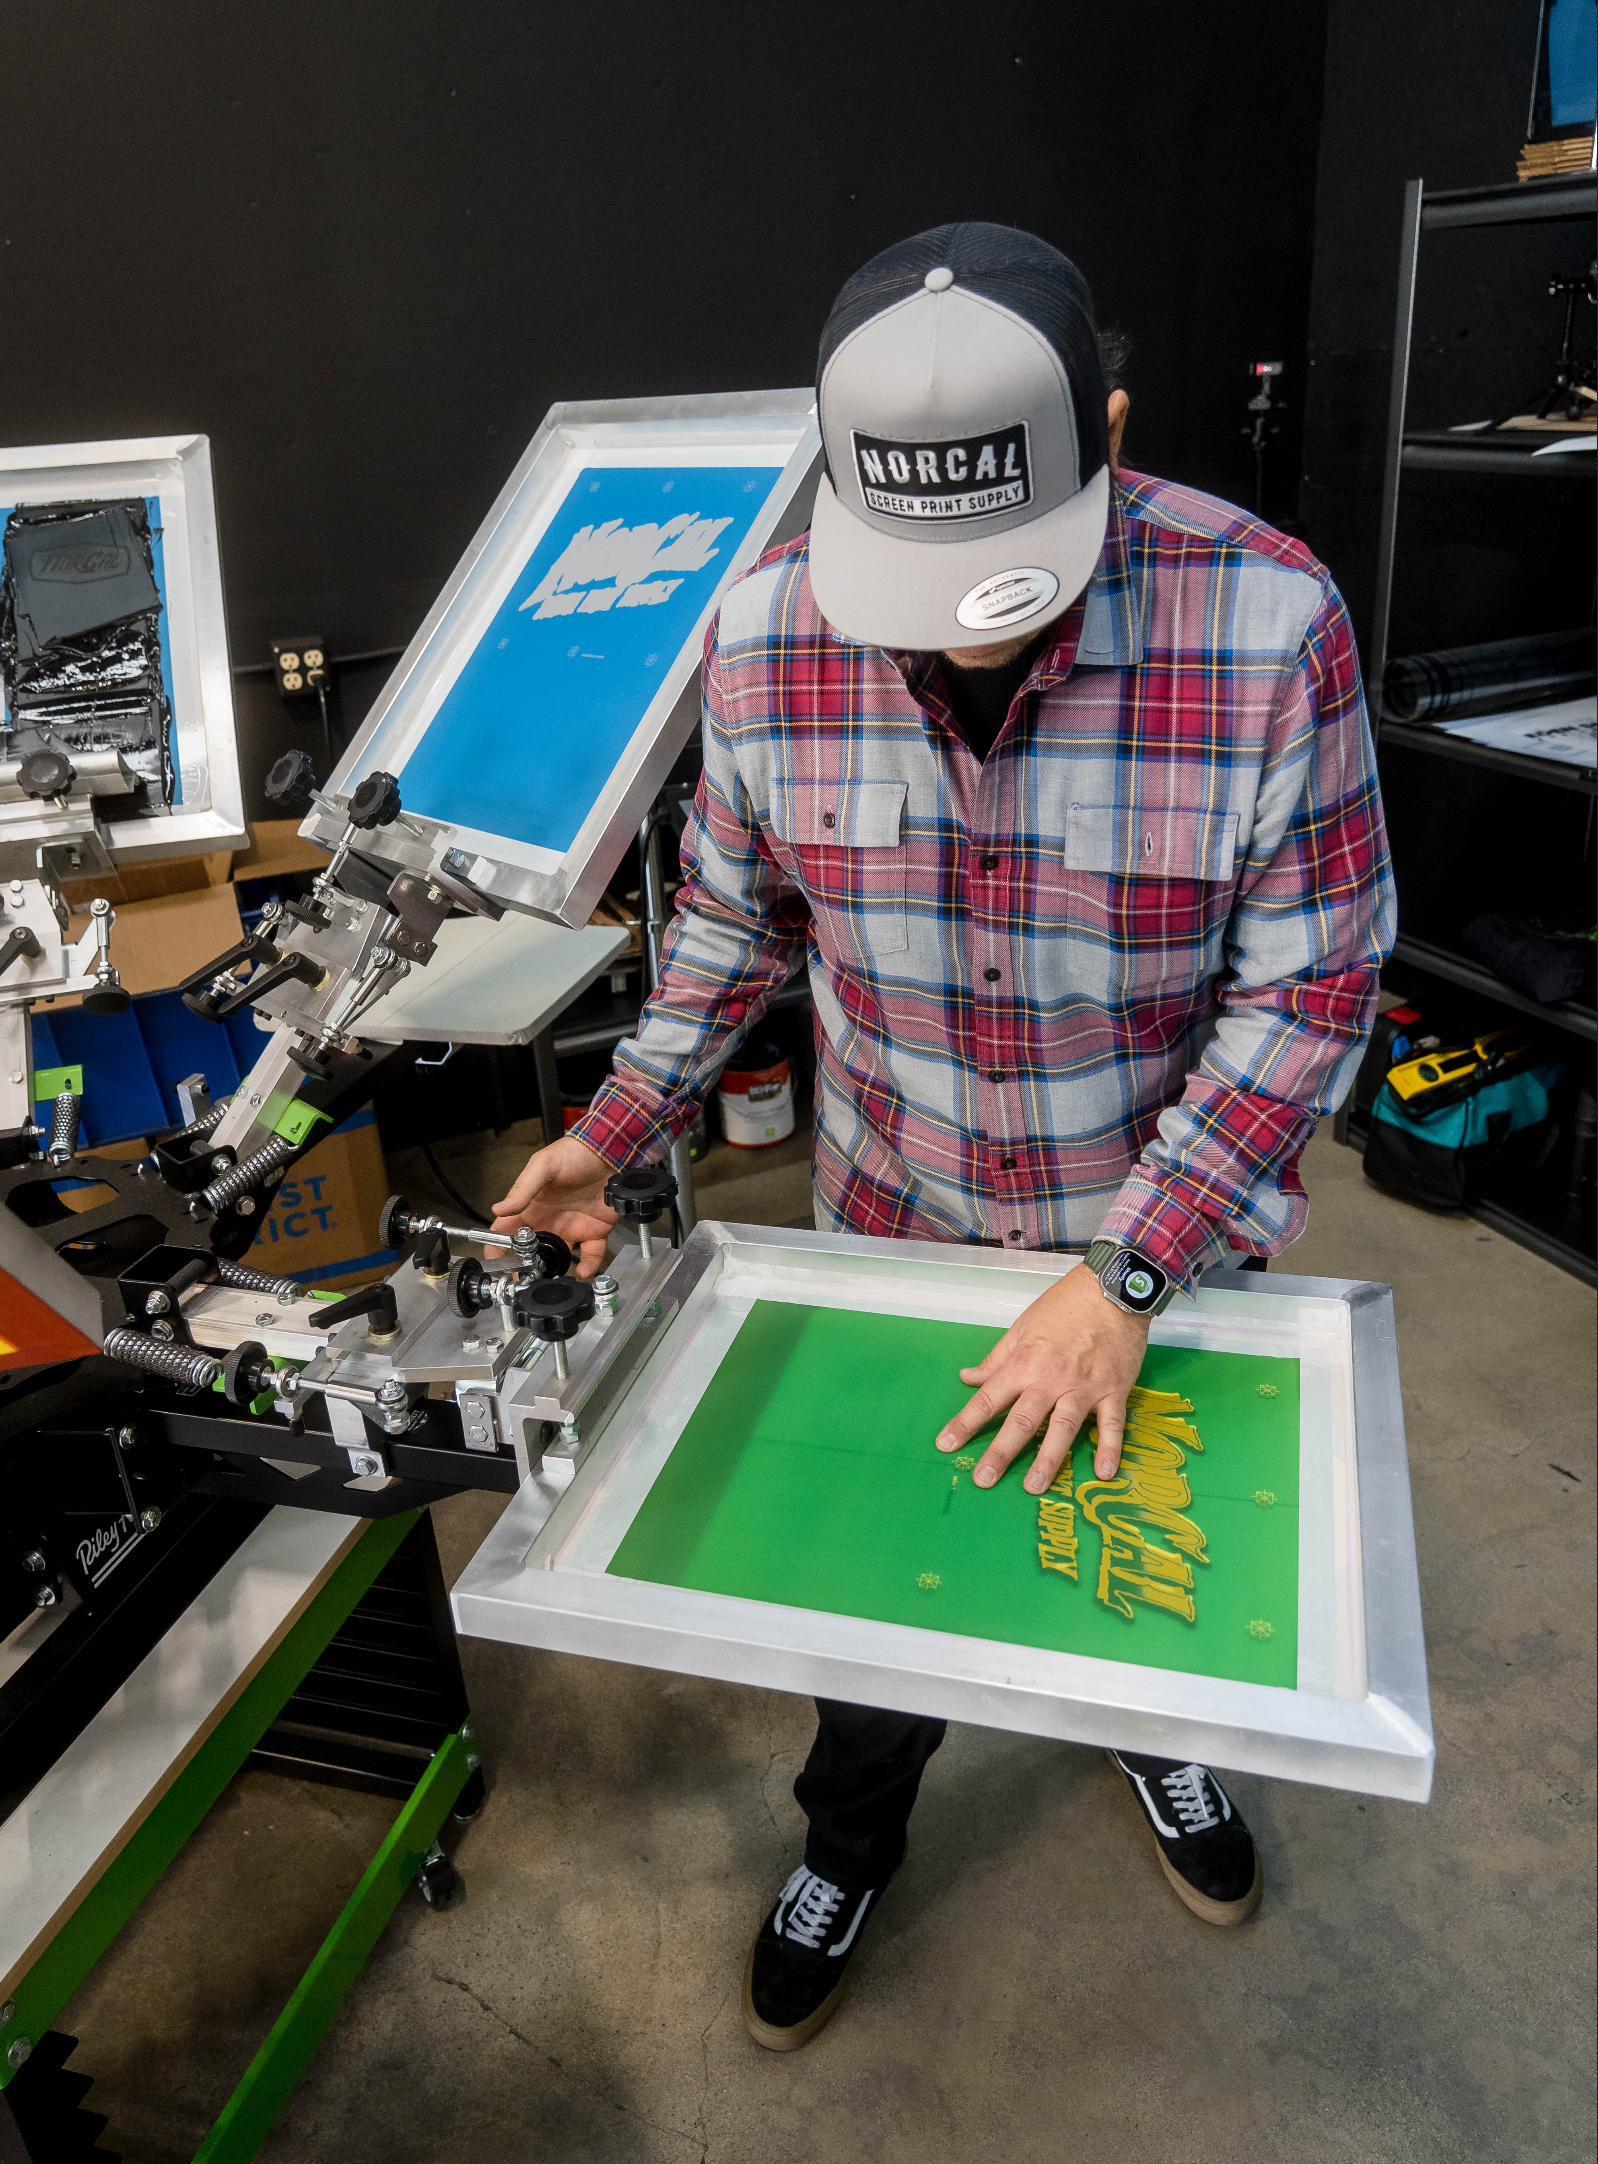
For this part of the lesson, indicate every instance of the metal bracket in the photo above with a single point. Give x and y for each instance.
(479, 1410)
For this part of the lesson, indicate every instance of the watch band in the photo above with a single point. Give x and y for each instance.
(1128, 1280)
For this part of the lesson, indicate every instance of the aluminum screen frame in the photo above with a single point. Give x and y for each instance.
(758, 428)
(177, 470)
(1375, 1740)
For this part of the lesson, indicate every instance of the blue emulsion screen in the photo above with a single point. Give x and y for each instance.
(1572, 63)
(152, 505)
(532, 727)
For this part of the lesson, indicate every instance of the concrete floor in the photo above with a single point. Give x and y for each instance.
(1418, 1984)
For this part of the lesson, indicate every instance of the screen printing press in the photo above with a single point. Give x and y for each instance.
(718, 1454)
(169, 1413)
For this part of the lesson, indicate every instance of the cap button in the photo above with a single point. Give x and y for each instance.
(938, 281)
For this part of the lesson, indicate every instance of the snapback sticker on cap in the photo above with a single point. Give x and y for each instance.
(962, 477)
(1009, 597)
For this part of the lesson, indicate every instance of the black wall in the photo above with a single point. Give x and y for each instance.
(1436, 89)
(364, 247)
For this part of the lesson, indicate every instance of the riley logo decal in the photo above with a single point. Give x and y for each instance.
(107, 1545)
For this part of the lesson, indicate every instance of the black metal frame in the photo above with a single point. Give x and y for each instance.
(385, 1691)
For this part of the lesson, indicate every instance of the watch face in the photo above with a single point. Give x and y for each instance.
(1135, 1283)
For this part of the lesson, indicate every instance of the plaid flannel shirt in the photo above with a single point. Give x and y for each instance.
(1106, 980)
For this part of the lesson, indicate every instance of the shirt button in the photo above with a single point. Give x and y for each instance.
(993, 975)
(995, 1074)
(828, 820)
(1006, 1164)
(1015, 1236)
(989, 863)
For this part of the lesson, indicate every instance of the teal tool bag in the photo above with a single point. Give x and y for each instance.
(1438, 1157)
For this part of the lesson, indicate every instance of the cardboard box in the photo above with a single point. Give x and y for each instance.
(145, 882)
(155, 944)
(322, 1225)
(174, 916)
(276, 848)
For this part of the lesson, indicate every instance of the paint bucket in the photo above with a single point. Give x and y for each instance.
(756, 1098)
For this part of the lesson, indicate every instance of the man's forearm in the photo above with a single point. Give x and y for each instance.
(1221, 1171)
(737, 931)
(716, 981)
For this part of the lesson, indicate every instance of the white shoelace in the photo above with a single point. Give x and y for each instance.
(814, 1903)
(1188, 1788)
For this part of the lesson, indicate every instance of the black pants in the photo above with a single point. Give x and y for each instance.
(858, 1787)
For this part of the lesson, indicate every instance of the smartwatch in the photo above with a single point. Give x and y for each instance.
(1129, 1280)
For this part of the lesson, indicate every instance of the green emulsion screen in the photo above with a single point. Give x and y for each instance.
(807, 1476)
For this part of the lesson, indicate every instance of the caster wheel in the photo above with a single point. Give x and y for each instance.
(438, 1882)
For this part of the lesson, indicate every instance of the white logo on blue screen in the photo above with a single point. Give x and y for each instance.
(619, 567)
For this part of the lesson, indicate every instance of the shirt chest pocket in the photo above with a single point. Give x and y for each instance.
(845, 845)
(1152, 888)
(1177, 842)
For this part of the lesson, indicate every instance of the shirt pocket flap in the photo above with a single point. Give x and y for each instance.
(842, 815)
(1179, 842)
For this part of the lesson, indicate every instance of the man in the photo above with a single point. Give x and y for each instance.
(1063, 776)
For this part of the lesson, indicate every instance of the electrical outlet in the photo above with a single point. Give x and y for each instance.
(300, 665)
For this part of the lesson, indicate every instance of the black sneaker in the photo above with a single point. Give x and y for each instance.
(794, 1981)
(1205, 1850)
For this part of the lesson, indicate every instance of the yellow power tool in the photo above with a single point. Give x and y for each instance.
(1438, 1077)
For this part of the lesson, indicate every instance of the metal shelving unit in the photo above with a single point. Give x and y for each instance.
(1432, 450)
(1518, 203)
(1534, 1212)
(1471, 977)
(1437, 744)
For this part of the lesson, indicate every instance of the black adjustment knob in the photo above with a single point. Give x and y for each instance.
(551, 1256)
(641, 1193)
(556, 1307)
(46, 773)
(378, 1301)
(396, 1222)
(470, 1287)
(290, 780)
(375, 801)
(246, 1372)
(107, 999)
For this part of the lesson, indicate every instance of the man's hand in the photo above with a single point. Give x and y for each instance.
(1070, 1354)
(562, 1190)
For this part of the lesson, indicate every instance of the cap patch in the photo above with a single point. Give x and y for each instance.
(1009, 597)
(963, 477)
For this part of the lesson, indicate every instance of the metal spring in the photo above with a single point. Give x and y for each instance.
(203, 1125)
(174, 1363)
(64, 1117)
(244, 1279)
(247, 1173)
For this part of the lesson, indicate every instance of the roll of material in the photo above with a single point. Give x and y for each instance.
(1504, 674)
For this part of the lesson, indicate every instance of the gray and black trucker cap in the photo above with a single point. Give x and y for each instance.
(962, 409)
